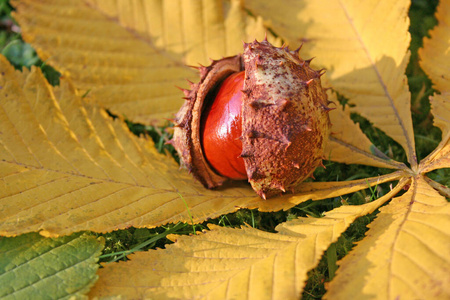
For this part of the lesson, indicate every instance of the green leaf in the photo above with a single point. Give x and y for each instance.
(34, 267)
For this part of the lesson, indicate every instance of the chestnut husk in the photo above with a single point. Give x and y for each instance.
(285, 120)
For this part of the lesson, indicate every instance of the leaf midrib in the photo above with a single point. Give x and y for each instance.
(395, 164)
(412, 159)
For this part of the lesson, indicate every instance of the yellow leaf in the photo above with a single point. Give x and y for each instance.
(323, 190)
(440, 157)
(347, 143)
(131, 77)
(197, 30)
(66, 167)
(227, 263)
(442, 189)
(131, 66)
(364, 47)
(435, 54)
(405, 252)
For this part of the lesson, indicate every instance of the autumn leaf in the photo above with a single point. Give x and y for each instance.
(67, 166)
(363, 46)
(129, 55)
(80, 170)
(435, 61)
(227, 263)
(403, 254)
(33, 267)
(347, 143)
(84, 171)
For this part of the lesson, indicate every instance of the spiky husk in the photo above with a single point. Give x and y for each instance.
(284, 118)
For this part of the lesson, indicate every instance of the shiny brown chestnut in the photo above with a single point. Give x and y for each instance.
(221, 127)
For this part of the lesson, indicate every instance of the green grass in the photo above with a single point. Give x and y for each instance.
(123, 242)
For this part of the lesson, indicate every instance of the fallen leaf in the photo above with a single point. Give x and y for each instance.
(348, 144)
(435, 60)
(404, 254)
(129, 55)
(227, 263)
(33, 267)
(364, 48)
(435, 51)
(67, 166)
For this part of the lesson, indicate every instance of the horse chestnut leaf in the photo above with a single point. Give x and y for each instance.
(261, 116)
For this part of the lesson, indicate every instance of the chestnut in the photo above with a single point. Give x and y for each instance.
(261, 116)
(221, 127)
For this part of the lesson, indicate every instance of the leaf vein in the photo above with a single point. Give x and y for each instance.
(393, 163)
(412, 156)
(36, 257)
(46, 278)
